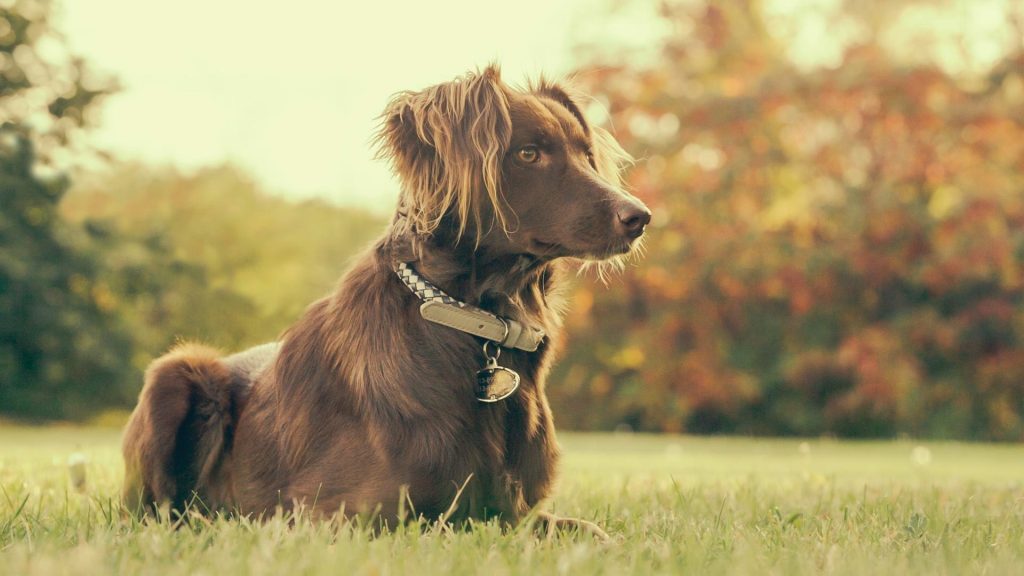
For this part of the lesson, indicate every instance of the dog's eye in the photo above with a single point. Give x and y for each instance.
(528, 154)
(590, 158)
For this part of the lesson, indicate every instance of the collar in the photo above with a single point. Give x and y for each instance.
(440, 308)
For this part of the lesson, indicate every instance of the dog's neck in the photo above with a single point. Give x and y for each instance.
(475, 275)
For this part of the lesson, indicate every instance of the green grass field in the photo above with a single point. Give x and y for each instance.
(672, 505)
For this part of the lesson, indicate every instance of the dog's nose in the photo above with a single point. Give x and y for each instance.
(632, 218)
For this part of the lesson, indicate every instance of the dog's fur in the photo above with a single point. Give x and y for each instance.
(364, 403)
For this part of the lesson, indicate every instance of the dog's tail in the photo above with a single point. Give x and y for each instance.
(179, 433)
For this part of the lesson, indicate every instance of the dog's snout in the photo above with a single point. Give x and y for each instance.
(632, 218)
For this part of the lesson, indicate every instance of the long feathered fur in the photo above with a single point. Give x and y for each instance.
(446, 144)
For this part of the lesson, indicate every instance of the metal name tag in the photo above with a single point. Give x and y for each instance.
(495, 383)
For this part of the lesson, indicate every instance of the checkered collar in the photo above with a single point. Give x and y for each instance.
(425, 290)
(439, 307)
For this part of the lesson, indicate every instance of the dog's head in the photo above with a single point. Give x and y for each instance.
(519, 172)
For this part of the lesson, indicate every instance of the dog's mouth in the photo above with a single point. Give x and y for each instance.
(613, 250)
(554, 250)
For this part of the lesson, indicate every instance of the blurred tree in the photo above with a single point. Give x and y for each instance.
(836, 249)
(62, 351)
(213, 257)
(96, 282)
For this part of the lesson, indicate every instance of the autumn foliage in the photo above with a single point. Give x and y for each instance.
(836, 251)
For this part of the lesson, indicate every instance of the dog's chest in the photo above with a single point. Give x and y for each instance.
(504, 438)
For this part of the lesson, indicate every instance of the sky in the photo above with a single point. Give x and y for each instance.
(291, 92)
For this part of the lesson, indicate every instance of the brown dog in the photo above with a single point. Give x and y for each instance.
(384, 389)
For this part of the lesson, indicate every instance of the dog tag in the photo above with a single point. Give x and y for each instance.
(495, 383)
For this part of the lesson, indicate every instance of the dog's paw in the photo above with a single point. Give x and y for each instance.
(548, 525)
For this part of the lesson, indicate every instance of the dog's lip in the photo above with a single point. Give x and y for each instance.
(554, 249)
(625, 247)
(616, 250)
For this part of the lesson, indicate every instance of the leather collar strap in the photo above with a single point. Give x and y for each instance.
(441, 308)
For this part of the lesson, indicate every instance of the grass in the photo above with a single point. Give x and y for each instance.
(672, 504)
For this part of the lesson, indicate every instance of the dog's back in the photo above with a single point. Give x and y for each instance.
(181, 430)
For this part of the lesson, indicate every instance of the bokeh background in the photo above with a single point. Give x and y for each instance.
(838, 188)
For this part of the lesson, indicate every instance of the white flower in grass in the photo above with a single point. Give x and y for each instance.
(921, 456)
(76, 468)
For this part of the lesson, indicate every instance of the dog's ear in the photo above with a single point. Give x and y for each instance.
(446, 144)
